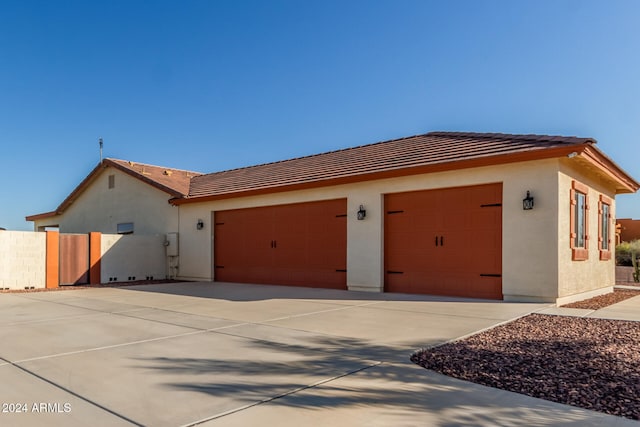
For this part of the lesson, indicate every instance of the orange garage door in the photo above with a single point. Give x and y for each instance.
(445, 242)
(302, 244)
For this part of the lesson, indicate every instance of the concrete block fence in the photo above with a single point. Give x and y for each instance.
(31, 260)
(22, 259)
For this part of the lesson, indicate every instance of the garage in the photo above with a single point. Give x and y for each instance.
(445, 242)
(301, 244)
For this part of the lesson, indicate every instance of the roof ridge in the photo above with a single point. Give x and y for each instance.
(132, 163)
(528, 137)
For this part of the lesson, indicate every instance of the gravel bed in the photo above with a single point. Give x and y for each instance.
(605, 300)
(584, 362)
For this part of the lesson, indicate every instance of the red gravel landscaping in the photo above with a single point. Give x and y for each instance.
(584, 362)
(596, 303)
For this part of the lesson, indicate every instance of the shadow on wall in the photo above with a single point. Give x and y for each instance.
(132, 257)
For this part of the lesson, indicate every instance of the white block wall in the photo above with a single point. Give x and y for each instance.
(125, 256)
(22, 259)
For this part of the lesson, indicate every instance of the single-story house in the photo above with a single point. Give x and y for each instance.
(514, 217)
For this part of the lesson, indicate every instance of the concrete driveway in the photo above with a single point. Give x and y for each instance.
(221, 354)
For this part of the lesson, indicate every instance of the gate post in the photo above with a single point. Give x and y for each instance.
(95, 255)
(52, 263)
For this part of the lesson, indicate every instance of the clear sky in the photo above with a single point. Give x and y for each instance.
(213, 85)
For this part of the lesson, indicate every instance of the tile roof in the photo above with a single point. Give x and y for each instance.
(431, 152)
(406, 154)
(173, 181)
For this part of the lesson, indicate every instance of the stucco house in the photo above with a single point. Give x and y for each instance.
(120, 197)
(514, 217)
(628, 229)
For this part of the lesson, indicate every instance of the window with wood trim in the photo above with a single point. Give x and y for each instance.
(604, 227)
(579, 222)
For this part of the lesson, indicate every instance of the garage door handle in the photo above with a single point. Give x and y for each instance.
(395, 272)
(436, 240)
(490, 275)
(441, 240)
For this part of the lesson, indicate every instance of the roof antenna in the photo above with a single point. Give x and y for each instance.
(101, 144)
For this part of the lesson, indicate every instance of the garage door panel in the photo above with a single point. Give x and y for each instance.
(446, 242)
(300, 244)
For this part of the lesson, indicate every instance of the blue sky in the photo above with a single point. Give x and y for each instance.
(213, 85)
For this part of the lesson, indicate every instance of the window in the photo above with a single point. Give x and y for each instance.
(125, 228)
(579, 222)
(112, 181)
(604, 227)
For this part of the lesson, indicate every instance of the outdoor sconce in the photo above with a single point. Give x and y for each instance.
(527, 202)
(362, 213)
(200, 224)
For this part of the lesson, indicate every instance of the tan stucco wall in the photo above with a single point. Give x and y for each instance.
(99, 208)
(592, 276)
(530, 251)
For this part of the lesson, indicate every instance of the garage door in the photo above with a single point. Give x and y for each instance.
(445, 242)
(302, 244)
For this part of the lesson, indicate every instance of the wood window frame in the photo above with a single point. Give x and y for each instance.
(605, 253)
(579, 253)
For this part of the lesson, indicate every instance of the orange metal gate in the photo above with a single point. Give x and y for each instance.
(74, 259)
(302, 244)
(445, 242)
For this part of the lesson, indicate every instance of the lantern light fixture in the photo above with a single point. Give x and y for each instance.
(527, 202)
(362, 213)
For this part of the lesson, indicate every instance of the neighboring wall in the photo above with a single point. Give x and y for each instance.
(530, 252)
(629, 229)
(22, 259)
(100, 208)
(132, 257)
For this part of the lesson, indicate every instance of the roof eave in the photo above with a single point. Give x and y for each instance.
(81, 187)
(624, 182)
(45, 215)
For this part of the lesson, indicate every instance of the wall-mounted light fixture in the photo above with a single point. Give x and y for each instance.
(527, 202)
(362, 213)
(200, 224)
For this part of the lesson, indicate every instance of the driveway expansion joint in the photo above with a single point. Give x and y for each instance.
(281, 395)
(69, 391)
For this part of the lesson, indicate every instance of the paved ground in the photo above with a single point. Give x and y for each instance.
(628, 309)
(241, 355)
